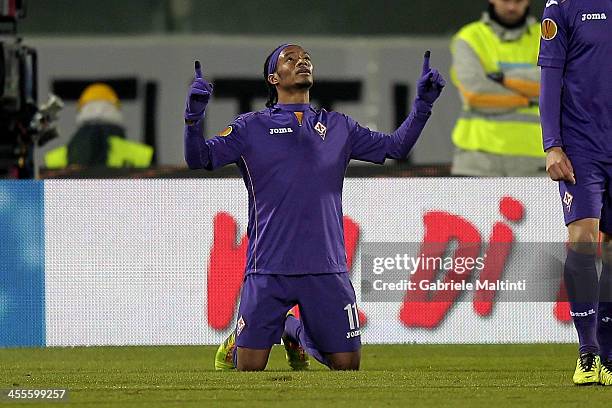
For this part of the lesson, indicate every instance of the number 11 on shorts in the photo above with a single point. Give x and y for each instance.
(353, 316)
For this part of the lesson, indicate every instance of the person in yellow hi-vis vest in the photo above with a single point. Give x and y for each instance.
(100, 137)
(494, 68)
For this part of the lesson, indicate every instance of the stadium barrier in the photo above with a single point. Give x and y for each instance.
(151, 262)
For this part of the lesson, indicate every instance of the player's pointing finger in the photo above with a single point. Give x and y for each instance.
(198, 69)
(426, 62)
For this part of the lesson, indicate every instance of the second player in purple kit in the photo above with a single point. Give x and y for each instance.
(576, 112)
(293, 159)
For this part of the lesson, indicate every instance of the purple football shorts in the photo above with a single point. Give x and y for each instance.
(328, 311)
(591, 196)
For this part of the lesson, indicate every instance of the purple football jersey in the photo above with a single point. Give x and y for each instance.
(294, 174)
(577, 37)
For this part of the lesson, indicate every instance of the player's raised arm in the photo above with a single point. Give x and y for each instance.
(196, 150)
(199, 152)
(374, 147)
(431, 83)
(198, 96)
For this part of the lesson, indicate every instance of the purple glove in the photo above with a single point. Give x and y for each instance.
(198, 96)
(429, 86)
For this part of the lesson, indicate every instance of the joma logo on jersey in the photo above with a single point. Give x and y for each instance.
(279, 131)
(594, 16)
(582, 314)
(353, 333)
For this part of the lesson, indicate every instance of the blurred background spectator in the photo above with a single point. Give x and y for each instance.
(100, 136)
(494, 68)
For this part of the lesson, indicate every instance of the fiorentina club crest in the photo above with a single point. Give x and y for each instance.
(321, 130)
(239, 326)
(567, 200)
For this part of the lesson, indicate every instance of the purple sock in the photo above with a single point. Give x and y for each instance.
(582, 284)
(295, 331)
(604, 315)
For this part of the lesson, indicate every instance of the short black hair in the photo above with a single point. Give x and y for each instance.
(272, 94)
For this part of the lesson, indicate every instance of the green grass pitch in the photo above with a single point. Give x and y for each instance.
(392, 375)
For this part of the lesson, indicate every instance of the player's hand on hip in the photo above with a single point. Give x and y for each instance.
(198, 96)
(431, 83)
(558, 165)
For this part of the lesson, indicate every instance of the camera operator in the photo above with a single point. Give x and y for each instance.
(23, 124)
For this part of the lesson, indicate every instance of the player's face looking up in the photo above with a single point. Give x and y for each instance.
(294, 69)
(510, 11)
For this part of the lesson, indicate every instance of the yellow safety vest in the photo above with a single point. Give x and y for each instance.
(121, 153)
(518, 133)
